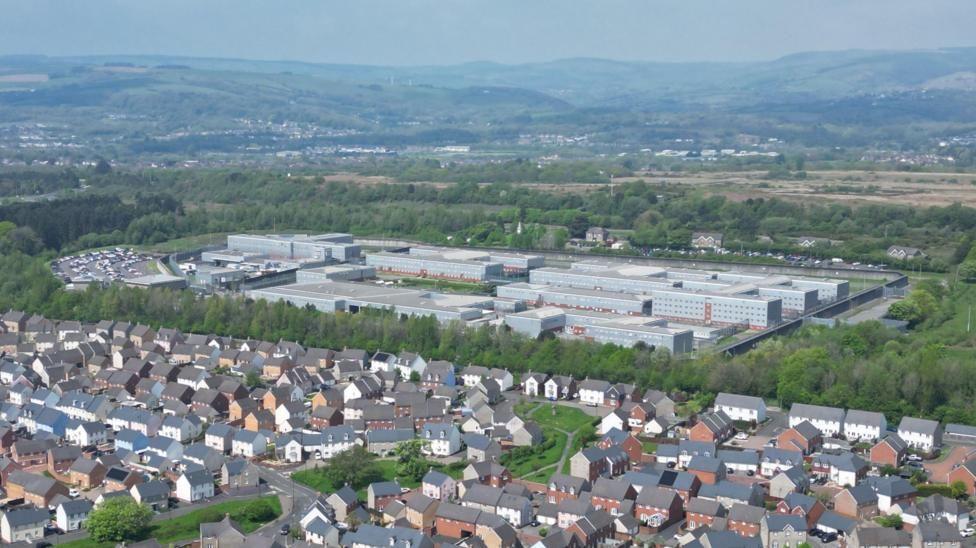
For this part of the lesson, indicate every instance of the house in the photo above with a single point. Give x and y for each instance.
(682, 453)
(864, 425)
(438, 485)
(729, 493)
(533, 384)
(872, 536)
(774, 460)
(86, 473)
(25, 525)
(803, 437)
(714, 427)
(438, 373)
(937, 507)
(904, 253)
(703, 513)
(936, 534)
(194, 485)
(444, 439)
(154, 494)
(33, 488)
(844, 469)
(615, 420)
(597, 234)
(220, 436)
(374, 536)
(829, 420)
(530, 434)
(805, 506)
(224, 533)
(337, 439)
(85, 434)
(247, 443)
(746, 520)
(131, 440)
(610, 495)
(920, 434)
(456, 521)
(481, 448)
(70, 515)
(783, 530)
(60, 459)
(593, 529)
(706, 240)
(238, 474)
(708, 470)
(858, 502)
(181, 429)
(560, 387)
(118, 478)
(381, 493)
(321, 533)
(791, 480)
(892, 491)
(966, 473)
(741, 408)
(259, 420)
(658, 508)
(890, 451)
(562, 487)
(628, 443)
(487, 473)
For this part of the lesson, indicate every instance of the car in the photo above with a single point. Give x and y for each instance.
(534, 523)
(742, 436)
(967, 532)
(73, 493)
(671, 465)
(750, 473)
(285, 529)
(915, 458)
(729, 471)
(828, 537)
(915, 464)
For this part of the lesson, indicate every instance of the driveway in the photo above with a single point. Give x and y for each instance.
(939, 470)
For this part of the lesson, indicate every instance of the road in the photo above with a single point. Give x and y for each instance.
(296, 498)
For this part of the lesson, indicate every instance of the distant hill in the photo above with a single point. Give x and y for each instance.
(846, 98)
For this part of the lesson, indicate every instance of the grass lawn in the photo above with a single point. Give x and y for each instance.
(187, 526)
(550, 456)
(316, 478)
(649, 447)
(565, 418)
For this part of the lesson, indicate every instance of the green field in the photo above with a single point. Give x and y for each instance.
(557, 421)
(317, 479)
(562, 417)
(187, 526)
(523, 467)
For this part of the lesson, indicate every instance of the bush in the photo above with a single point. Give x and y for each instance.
(117, 520)
(258, 511)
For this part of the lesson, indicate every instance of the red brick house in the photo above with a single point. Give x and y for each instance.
(658, 508)
(703, 513)
(966, 473)
(609, 494)
(804, 506)
(890, 451)
(713, 427)
(627, 442)
(803, 437)
(562, 487)
(456, 521)
(592, 529)
(745, 520)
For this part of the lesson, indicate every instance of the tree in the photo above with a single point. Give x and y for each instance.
(252, 379)
(356, 467)
(411, 463)
(893, 520)
(102, 167)
(117, 520)
(259, 511)
(958, 489)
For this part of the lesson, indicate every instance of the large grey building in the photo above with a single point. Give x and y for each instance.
(436, 266)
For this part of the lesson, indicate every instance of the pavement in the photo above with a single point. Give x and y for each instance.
(939, 469)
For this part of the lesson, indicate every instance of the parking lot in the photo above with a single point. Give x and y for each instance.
(107, 265)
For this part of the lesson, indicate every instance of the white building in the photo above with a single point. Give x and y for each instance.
(444, 439)
(829, 420)
(72, 514)
(921, 434)
(864, 425)
(194, 486)
(741, 408)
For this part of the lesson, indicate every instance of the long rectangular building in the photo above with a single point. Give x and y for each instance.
(602, 327)
(598, 280)
(584, 299)
(435, 266)
(517, 264)
(353, 297)
(319, 247)
(715, 309)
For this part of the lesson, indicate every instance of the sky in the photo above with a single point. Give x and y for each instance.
(440, 32)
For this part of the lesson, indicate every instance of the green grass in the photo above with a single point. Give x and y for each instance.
(187, 526)
(550, 456)
(649, 447)
(565, 418)
(445, 285)
(316, 477)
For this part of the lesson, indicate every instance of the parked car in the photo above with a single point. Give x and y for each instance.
(742, 436)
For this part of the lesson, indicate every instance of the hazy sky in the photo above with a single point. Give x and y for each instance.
(410, 32)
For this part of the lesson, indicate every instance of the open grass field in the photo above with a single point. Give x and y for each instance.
(547, 458)
(317, 479)
(187, 526)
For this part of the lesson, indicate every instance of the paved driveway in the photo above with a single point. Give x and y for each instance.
(939, 470)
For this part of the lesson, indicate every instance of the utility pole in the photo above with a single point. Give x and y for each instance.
(969, 319)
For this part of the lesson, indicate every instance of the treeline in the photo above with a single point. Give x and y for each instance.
(36, 181)
(63, 221)
(657, 215)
